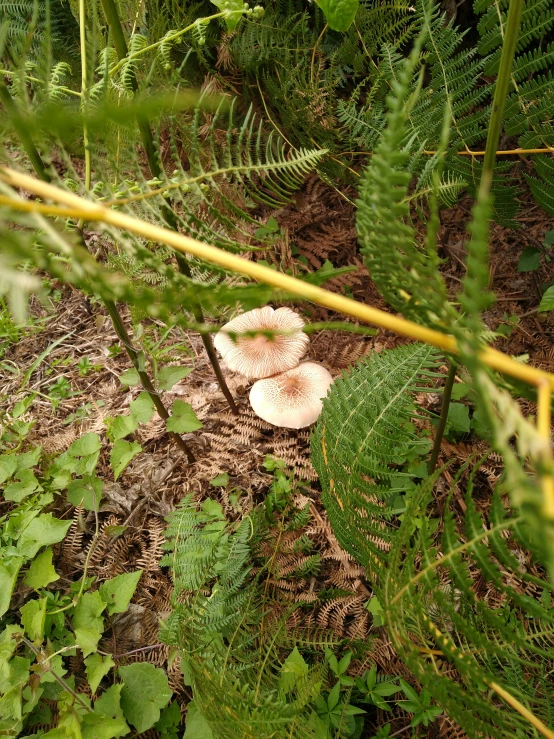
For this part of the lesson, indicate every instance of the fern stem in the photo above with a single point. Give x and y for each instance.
(23, 134)
(501, 90)
(499, 153)
(116, 29)
(446, 395)
(145, 380)
(174, 37)
(84, 88)
(522, 710)
(98, 213)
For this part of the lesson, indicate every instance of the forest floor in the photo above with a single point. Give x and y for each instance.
(320, 224)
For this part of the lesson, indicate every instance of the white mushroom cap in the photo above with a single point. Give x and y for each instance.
(262, 356)
(292, 399)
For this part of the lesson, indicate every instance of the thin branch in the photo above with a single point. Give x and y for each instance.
(44, 662)
(96, 212)
(447, 394)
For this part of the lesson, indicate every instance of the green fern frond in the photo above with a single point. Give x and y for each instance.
(364, 437)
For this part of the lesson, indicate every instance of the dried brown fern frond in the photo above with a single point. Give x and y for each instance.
(72, 548)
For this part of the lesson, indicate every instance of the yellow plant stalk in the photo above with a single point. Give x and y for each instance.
(95, 212)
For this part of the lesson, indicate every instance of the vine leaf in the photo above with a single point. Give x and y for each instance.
(41, 572)
(97, 667)
(33, 617)
(183, 419)
(86, 492)
(118, 591)
(99, 726)
(170, 376)
(122, 453)
(42, 531)
(145, 692)
(197, 727)
(88, 622)
(339, 14)
(142, 408)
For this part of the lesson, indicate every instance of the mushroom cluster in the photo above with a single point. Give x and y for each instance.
(268, 345)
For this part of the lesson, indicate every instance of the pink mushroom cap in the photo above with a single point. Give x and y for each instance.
(262, 356)
(292, 399)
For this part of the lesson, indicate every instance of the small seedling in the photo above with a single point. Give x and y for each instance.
(419, 705)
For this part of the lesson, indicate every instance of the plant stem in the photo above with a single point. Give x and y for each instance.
(145, 380)
(447, 394)
(84, 88)
(111, 307)
(21, 130)
(38, 654)
(501, 90)
(208, 343)
(116, 29)
(493, 137)
(95, 212)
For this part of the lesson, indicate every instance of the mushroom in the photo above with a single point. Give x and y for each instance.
(292, 399)
(262, 356)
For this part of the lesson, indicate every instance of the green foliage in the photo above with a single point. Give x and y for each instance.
(367, 427)
(339, 14)
(145, 692)
(232, 636)
(424, 568)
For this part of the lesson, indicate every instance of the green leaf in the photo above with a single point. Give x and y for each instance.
(85, 446)
(118, 591)
(339, 14)
(293, 670)
(460, 390)
(183, 419)
(97, 667)
(33, 616)
(375, 608)
(88, 611)
(130, 377)
(549, 238)
(170, 376)
(145, 693)
(230, 5)
(41, 572)
(109, 702)
(87, 493)
(88, 622)
(169, 720)
(458, 418)
(87, 638)
(8, 577)
(97, 726)
(27, 484)
(197, 726)
(122, 426)
(41, 532)
(530, 259)
(28, 459)
(547, 301)
(220, 481)
(333, 697)
(142, 408)
(122, 453)
(8, 465)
